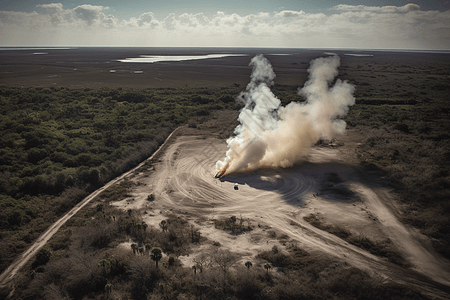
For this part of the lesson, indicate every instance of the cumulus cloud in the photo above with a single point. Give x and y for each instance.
(290, 14)
(82, 15)
(57, 6)
(170, 22)
(88, 13)
(345, 26)
(381, 9)
(193, 20)
(145, 20)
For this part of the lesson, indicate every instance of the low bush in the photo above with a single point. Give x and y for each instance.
(233, 224)
(65, 143)
(380, 248)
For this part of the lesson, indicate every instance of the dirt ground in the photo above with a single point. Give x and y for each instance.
(274, 201)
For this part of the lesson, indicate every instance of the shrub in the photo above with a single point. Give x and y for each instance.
(42, 257)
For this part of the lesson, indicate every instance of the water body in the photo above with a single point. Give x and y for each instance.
(217, 50)
(33, 48)
(349, 54)
(93, 67)
(357, 55)
(158, 58)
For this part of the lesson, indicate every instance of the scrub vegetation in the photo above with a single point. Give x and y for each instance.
(410, 146)
(383, 248)
(58, 144)
(88, 259)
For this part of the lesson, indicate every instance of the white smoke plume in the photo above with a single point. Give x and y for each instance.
(271, 135)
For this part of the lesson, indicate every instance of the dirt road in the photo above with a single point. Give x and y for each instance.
(274, 202)
(277, 200)
(12, 270)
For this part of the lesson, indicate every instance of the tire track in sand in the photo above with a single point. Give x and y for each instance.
(275, 195)
(12, 270)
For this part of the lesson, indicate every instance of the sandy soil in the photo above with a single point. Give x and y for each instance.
(12, 270)
(277, 200)
(270, 200)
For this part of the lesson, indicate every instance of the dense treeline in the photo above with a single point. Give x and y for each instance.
(58, 144)
(410, 144)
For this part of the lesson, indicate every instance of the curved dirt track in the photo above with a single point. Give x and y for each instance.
(183, 182)
(12, 270)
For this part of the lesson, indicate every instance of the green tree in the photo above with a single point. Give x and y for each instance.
(104, 262)
(156, 255)
(199, 267)
(134, 247)
(171, 261)
(42, 257)
(163, 225)
(144, 225)
(108, 288)
(248, 264)
(267, 267)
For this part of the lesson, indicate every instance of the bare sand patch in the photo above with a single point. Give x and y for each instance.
(274, 202)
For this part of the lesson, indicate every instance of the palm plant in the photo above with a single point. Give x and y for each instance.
(267, 267)
(134, 247)
(248, 264)
(156, 255)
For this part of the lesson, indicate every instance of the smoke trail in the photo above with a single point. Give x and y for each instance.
(277, 136)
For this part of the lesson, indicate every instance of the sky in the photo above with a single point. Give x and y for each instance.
(326, 24)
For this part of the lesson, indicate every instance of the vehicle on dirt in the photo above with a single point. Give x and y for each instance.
(236, 186)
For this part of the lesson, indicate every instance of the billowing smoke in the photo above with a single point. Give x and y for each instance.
(271, 135)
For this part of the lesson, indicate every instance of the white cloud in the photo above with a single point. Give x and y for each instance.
(381, 9)
(57, 6)
(290, 14)
(88, 13)
(145, 20)
(193, 20)
(170, 22)
(346, 26)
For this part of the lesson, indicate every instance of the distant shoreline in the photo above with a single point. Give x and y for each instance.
(97, 67)
(214, 49)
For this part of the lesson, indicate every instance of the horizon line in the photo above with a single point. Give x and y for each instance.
(235, 47)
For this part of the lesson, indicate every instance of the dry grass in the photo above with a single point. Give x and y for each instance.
(380, 248)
